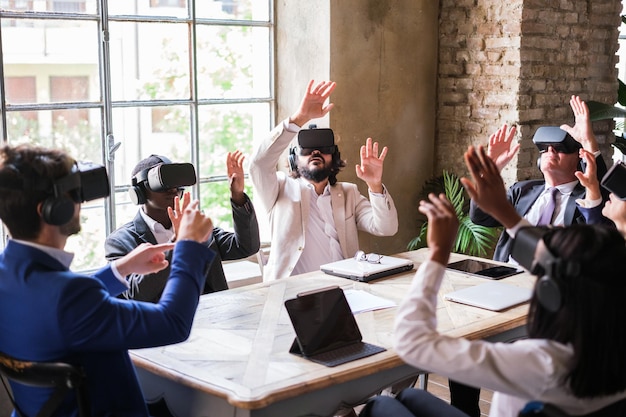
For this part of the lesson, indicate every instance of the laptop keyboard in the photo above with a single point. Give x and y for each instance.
(346, 354)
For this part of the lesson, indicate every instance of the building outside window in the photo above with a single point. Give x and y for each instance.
(187, 79)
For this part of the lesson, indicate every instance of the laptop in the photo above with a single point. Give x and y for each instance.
(326, 331)
(484, 269)
(365, 271)
(495, 296)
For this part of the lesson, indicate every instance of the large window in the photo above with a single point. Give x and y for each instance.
(187, 79)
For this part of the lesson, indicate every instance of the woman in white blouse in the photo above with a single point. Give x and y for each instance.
(574, 357)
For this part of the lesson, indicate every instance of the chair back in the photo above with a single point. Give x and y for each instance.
(58, 375)
(539, 409)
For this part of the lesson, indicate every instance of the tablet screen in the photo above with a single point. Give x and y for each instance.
(484, 269)
(322, 320)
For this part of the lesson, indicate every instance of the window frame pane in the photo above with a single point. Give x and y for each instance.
(94, 105)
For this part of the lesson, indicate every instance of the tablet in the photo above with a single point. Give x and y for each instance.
(484, 269)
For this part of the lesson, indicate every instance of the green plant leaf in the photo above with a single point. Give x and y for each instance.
(601, 111)
(471, 238)
(419, 241)
(454, 191)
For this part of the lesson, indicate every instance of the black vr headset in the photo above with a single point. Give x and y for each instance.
(160, 178)
(615, 180)
(309, 140)
(86, 181)
(530, 251)
(556, 137)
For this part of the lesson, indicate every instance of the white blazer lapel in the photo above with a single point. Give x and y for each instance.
(338, 202)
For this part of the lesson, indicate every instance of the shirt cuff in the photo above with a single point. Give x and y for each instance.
(378, 194)
(513, 230)
(119, 276)
(588, 204)
(247, 206)
(291, 127)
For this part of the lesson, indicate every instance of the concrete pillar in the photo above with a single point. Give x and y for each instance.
(383, 56)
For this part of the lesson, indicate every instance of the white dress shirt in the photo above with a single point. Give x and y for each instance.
(518, 372)
(161, 234)
(322, 242)
(558, 218)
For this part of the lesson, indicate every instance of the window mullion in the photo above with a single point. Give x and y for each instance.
(109, 146)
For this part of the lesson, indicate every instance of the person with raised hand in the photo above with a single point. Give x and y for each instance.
(314, 219)
(49, 313)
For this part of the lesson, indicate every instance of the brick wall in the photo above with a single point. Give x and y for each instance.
(518, 62)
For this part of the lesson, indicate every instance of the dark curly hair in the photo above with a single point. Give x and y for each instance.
(26, 175)
(336, 165)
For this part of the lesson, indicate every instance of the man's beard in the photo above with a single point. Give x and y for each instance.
(315, 175)
(72, 227)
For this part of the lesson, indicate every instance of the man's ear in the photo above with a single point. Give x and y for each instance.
(40, 209)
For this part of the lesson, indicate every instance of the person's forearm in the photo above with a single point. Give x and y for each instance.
(238, 197)
(375, 187)
(299, 119)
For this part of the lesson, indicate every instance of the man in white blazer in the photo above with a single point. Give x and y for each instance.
(314, 219)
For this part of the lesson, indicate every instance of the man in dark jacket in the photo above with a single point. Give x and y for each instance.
(153, 224)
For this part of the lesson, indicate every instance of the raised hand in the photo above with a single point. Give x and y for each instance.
(144, 259)
(194, 224)
(371, 168)
(234, 170)
(176, 213)
(501, 149)
(312, 104)
(582, 130)
(486, 188)
(443, 226)
(589, 178)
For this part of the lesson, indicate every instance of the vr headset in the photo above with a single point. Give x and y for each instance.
(530, 251)
(556, 137)
(167, 176)
(88, 181)
(615, 180)
(311, 139)
(320, 139)
(160, 178)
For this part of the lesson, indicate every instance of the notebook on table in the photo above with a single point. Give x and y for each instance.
(326, 331)
(365, 271)
(495, 296)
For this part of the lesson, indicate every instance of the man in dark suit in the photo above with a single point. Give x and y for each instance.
(153, 224)
(49, 313)
(560, 168)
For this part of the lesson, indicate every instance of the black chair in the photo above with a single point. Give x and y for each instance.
(539, 409)
(58, 375)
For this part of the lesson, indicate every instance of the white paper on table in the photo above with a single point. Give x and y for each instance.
(361, 301)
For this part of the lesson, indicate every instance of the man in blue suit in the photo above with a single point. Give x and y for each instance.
(48, 313)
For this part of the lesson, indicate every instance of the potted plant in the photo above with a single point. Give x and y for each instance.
(471, 238)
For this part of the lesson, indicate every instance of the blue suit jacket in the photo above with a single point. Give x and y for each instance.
(49, 313)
